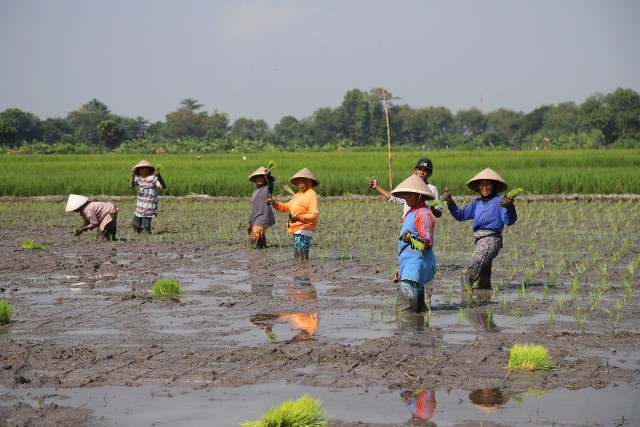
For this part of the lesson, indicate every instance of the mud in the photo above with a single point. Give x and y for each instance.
(89, 346)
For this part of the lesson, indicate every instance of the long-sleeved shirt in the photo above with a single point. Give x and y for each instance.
(487, 214)
(147, 202)
(97, 214)
(261, 213)
(415, 265)
(305, 207)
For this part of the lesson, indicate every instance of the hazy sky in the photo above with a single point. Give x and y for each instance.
(266, 59)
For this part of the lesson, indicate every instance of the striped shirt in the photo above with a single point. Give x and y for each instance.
(147, 204)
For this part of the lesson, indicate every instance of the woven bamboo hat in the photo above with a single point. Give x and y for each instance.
(260, 171)
(143, 164)
(305, 173)
(75, 201)
(413, 184)
(499, 184)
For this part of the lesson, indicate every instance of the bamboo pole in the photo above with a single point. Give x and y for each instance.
(386, 115)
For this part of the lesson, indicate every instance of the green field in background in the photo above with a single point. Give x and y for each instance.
(340, 173)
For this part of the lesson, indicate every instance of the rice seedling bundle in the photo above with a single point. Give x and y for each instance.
(31, 245)
(532, 357)
(6, 311)
(303, 412)
(168, 287)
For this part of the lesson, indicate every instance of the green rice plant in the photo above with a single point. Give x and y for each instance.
(6, 311)
(304, 412)
(515, 192)
(552, 314)
(531, 357)
(463, 313)
(628, 289)
(581, 318)
(489, 315)
(31, 245)
(516, 312)
(169, 288)
(505, 301)
(545, 292)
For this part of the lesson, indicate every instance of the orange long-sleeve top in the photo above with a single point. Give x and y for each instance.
(305, 207)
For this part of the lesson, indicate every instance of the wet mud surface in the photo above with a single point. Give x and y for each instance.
(254, 321)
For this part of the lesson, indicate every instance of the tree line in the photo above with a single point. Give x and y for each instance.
(360, 122)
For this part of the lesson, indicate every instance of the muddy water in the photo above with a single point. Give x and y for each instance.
(88, 345)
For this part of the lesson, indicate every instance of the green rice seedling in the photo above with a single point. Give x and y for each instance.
(552, 314)
(6, 311)
(515, 192)
(463, 313)
(532, 301)
(628, 289)
(31, 245)
(531, 357)
(581, 318)
(489, 315)
(545, 291)
(169, 288)
(516, 312)
(304, 412)
(505, 301)
(272, 336)
(536, 392)
(271, 166)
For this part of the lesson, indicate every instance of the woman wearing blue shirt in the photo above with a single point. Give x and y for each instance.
(490, 213)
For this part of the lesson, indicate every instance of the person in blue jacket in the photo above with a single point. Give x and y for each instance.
(490, 213)
(416, 261)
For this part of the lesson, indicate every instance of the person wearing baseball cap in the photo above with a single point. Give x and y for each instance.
(490, 213)
(424, 169)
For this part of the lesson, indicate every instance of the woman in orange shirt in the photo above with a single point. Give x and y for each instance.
(304, 212)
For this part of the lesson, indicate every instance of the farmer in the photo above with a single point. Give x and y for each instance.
(416, 262)
(145, 176)
(490, 213)
(424, 169)
(261, 216)
(303, 208)
(101, 215)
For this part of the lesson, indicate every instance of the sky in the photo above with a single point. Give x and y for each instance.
(267, 59)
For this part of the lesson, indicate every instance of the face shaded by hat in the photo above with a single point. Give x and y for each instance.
(143, 164)
(75, 201)
(424, 163)
(305, 173)
(499, 184)
(413, 184)
(261, 171)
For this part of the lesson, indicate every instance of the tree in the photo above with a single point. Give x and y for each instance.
(289, 132)
(470, 122)
(187, 122)
(624, 105)
(19, 126)
(111, 134)
(506, 123)
(86, 119)
(253, 130)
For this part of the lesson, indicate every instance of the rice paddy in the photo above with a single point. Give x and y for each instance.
(340, 173)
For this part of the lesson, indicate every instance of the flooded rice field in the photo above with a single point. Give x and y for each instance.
(87, 344)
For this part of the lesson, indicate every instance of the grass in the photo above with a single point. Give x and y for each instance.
(303, 412)
(6, 311)
(31, 245)
(340, 173)
(167, 288)
(531, 357)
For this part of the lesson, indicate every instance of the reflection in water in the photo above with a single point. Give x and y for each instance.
(422, 404)
(411, 322)
(488, 400)
(482, 320)
(302, 289)
(306, 323)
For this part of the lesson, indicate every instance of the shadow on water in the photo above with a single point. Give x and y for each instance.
(424, 406)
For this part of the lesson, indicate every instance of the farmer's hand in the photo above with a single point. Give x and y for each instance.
(396, 276)
(78, 232)
(294, 219)
(372, 183)
(133, 171)
(156, 172)
(446, 196)
(249, 229)
(406, 236)
(506, 202)
(269, 201)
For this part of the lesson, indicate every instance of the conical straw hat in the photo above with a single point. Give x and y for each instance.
(499, 184)
(260, 171)
(75, 201)
(305, 173)
(144, 163)
(413, 184)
